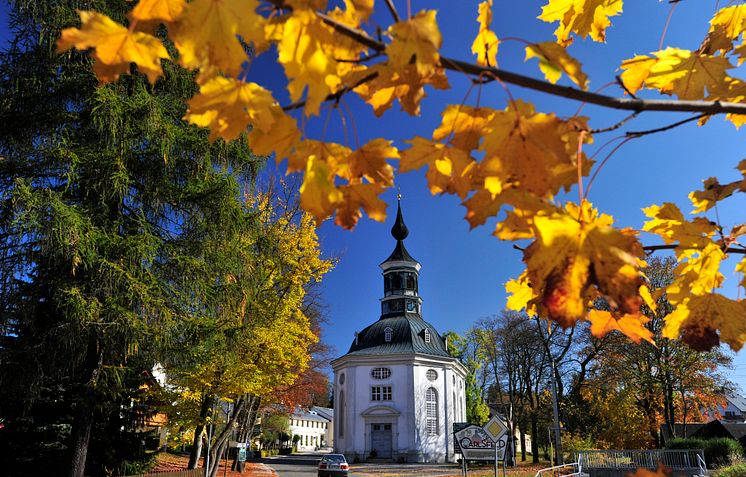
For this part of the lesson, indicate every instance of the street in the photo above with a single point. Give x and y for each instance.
(298, 465)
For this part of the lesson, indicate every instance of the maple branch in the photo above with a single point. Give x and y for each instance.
(569, 92)
(334, 96)
(392, 9)
(617, 125)
(672, 246)
(666, 128)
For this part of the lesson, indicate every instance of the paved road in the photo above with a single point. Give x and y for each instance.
(304, 465)
(299, 465)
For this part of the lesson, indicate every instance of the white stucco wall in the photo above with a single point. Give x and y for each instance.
(406, 411)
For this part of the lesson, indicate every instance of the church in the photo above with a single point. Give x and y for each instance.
(397, 391)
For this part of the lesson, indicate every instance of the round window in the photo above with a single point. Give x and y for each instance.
(431, 374)
(380, 373)
(342, 378)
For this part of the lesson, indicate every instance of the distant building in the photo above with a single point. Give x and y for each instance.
(709, 430)
(734, 409)
(397, 391)
(313, 426)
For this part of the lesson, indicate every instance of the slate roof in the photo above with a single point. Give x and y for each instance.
(325, 412)
(400, 253)
(408, 336)
(738, 401)
(311, 415)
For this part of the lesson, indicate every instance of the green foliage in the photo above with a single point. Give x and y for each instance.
(573, 442)
(735, 470)
(719, 452)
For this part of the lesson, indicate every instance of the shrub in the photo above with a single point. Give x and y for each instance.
(719, 452)
(737, 470)
(571, 443)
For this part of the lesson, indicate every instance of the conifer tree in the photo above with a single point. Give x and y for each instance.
(107, 199)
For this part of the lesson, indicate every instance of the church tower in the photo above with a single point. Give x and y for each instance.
(397, 390)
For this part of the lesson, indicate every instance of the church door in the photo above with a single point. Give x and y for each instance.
(381, 440)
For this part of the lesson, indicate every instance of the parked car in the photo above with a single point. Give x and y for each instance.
(333, 465)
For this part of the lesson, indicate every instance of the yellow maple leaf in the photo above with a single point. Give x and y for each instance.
(417, 38)
(713, 192)
(725, 26)
(571, 243)
(698, 273)
(486, 43)
(389, 84)
(208, 30)
(332, 154)
(280, 139)
(115, 47)
(521, 294)
(449, 169)
(554, 60)
(157, 10)
(369, 162)
(582, 17)
(227, 106)
(463, 125)
(668, 222)
(702, 321)
(741, 268)
(318, 194)
(307, 54)
(687, 74)
(632, 325)
(530, 151)
(357, 196)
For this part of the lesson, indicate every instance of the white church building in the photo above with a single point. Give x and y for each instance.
(397, 390)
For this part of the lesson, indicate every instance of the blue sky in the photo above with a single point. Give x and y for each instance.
(463, 272)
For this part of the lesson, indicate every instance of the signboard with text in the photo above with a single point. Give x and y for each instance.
(476, 443)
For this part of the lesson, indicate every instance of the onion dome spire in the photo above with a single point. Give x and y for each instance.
(399, 230)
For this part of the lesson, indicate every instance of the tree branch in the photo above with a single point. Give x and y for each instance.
(630, 104)
(672, 246)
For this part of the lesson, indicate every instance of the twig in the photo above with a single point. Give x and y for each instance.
(665, 128)
(617, 125)
(392, 9)
(334, 96)
(672, 246)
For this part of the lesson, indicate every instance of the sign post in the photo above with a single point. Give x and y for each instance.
(487, 443)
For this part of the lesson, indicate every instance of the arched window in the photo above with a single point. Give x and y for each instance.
(388, 334)
(431, 406)
(342, 414)
(410, 281)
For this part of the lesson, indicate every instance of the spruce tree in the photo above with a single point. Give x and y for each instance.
(106, 201)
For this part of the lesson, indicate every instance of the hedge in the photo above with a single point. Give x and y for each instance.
(719, 452)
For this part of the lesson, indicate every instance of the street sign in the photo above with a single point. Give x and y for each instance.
(242, 454)
(475, 443)
(240, 445)
(495, 428)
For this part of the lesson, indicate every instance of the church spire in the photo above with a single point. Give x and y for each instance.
(399, 230)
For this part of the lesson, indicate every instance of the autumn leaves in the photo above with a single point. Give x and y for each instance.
(513, 161)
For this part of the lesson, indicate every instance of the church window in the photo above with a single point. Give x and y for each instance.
(431, 374)
(427, 335)
(410, 281)
(431, 406)
(388, 333)
(380, 393)
(380, 373)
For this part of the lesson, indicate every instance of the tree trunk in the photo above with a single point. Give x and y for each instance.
(523, 445)
(534, 439)
(204, 412)
(83, 421)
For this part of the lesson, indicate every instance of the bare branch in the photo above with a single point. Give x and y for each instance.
(728, 249)
(666, 128)
(392, 9)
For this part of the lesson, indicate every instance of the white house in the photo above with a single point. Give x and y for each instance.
(312, 426)
(734, 410)
(397, 390)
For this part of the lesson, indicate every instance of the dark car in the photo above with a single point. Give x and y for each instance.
(333, 465)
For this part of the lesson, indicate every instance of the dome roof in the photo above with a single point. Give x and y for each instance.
(407, 337)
